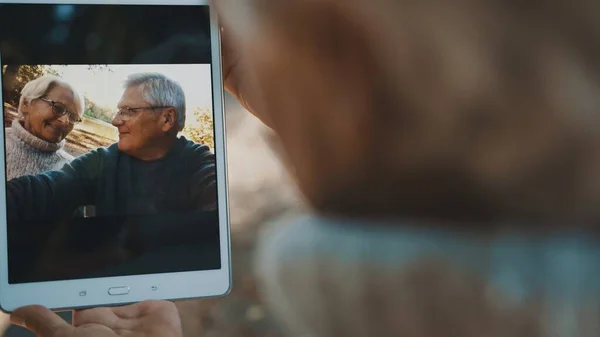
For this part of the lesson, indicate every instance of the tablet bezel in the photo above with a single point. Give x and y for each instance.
(171, 286)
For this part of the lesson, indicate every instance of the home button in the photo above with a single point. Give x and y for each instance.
(114, 291)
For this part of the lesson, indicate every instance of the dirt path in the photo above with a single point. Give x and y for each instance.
(80, 142)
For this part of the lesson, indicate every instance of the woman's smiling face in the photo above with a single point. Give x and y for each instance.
(41, 120)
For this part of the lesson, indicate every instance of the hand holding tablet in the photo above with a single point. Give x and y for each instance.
(152, 318)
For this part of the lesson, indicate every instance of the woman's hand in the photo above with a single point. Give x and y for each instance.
(145, 319)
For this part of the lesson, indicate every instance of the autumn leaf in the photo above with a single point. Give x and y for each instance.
(200, 129)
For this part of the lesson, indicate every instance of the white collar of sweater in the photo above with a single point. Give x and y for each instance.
(33, 141)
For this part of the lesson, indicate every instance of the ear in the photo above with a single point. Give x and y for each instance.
(169, 120)
(25, 106)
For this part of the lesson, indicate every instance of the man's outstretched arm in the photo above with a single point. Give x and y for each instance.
(54, 194)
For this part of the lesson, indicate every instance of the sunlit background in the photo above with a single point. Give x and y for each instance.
(102, 87)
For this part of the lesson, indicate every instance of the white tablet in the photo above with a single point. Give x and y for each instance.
(113, 160)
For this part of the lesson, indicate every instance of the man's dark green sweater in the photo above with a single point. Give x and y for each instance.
(147, 205)
(118, 185)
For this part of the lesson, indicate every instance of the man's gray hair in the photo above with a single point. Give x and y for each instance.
(159, 90)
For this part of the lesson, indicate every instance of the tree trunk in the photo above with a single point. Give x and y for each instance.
(9, 83)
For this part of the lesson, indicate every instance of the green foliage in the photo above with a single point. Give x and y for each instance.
(95, 111)
(52, 71)
(200, 129)
(95, 68)
(16, 76)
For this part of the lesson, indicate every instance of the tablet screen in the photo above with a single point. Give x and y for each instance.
(109, 141)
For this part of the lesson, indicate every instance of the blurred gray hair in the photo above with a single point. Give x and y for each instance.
(159, 90)
(42, 85)
(497, 99)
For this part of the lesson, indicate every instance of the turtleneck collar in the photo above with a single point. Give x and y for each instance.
(33, 141)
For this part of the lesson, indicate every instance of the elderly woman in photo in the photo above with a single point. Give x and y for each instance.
(48, 110)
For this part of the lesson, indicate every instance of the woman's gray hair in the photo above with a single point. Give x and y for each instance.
(159, 90)
(42, 85)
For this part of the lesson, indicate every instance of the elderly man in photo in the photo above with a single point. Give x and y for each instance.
(150, 172)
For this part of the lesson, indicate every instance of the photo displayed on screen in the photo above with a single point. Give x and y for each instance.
(109, 141)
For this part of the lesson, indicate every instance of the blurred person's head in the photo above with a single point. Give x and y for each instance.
(452, 110)
(50, 107)
(150, 114)
(462, 110)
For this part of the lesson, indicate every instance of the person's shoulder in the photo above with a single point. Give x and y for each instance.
(110, 150)
(99, 153)
(8, 135)
(189, 145)
(192, 150)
